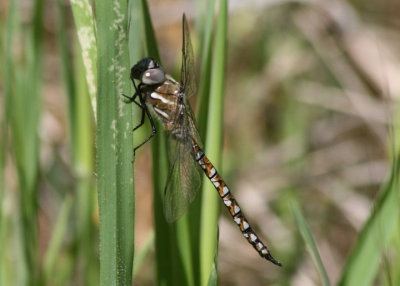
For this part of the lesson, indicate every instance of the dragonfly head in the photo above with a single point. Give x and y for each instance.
(148, 71)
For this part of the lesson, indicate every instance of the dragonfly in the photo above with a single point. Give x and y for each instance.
(168, 100)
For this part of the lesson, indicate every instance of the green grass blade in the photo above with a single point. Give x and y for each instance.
(84, 22)
(3, 218)
(166, 255)
(206, 25)
(81, 140)
(24, 76)
(173, 244)
(310, 243)
(210, 200)
(151, 46)
(136, 52)
(213, 278)
(142, 254)
(365, 259)
(3, 155)
(114, 145)
(53, 250)
(8, 77)
(205, 70)
(184, 247)
(86, 229)
(6, 73)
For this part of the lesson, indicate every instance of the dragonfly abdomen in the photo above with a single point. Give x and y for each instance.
(231, 204)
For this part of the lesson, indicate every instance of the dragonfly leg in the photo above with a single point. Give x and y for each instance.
(135, 95)
(130, 98)
(145, 111)
(142, 107)
(153, 126)
(133, 99)
(141, 120)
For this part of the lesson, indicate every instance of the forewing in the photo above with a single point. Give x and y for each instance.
(184, 178)
(188, 74)
(183, 181)
(190, 125)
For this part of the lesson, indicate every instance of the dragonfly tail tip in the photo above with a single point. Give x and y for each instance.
(270, 258)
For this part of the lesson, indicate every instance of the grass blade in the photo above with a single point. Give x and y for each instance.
(364, 261)
(202, 119)
(23, 76)
(7, 75)
(57, 237)
(173, 242)
(310, 243)
(213, 147)
(80, 117)
(205, 71)
(166, 258)
(142, 254)
(84, 22)
(114, 145)
(83, 165)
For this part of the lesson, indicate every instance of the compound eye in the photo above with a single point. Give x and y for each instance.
(153, 76)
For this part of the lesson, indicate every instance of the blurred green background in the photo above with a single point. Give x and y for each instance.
(310, 138)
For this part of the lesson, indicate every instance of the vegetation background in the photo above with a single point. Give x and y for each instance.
(309, 143)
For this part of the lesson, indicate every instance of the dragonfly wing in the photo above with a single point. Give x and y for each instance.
(183, 181)
(188, 73)
(190, 123)
(184, 178)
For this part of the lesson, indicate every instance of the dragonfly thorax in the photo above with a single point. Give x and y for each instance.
(165, 99)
